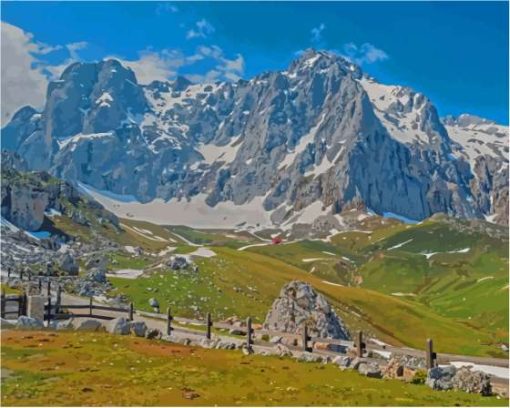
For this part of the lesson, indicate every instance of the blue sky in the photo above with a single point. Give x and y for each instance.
(455, 53)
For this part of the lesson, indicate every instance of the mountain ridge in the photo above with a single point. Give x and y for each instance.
(320, 131)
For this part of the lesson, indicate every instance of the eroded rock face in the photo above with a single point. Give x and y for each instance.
(319, 132)
(472, 381)
(299, 304)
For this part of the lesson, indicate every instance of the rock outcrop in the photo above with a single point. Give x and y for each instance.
(320, 133)
(299, 304)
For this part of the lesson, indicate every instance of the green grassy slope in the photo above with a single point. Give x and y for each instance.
(95, 369)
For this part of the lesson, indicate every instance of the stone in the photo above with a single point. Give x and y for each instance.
(139, 329)
(355, 363)
(119, 325)
(342, 361)
(475, 382)
(176, 262)
(282, 351)
(297, 304)
(370, 370)
(275, 339)
(98, 261)
(97, 275)
(309, 357)
(153, 302)
(68, 264)
(153, 334)
(441, 378)
(237, 331)
(394, 369)
(88, 325)
(25, 322)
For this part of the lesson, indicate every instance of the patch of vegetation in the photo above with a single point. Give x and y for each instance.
(93, 369)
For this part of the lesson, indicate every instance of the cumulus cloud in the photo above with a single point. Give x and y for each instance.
(165, 64)
(163, 8)
(202, 29)
(363, 54)
(316, 33)
(25, 72)
(22, 74)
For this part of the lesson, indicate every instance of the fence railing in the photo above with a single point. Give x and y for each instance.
(304, 340)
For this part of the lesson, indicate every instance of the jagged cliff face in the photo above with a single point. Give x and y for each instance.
(320, 132)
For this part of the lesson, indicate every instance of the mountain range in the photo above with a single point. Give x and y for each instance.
(319, 138)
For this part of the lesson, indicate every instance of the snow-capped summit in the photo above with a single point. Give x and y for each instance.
(310, 140)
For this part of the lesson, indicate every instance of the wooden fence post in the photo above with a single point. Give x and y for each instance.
(25, 304)
(169, 319)
(90, 306)
(9, 273)
(59, 299)
(359, 344)
(249, 332)
(208, 326)
(3, 304)
(40, 286)
(48, 316)
(131, 311)
(306, 339)
(20, 305)
(48, 288)
(430, 356)
(21, 274)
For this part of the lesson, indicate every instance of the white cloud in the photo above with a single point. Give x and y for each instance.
(165, 64)
(154, 65)
(25, 73)
(22, 75)
(316, 33)
(364, 54)
(166, 7)
(202, 29)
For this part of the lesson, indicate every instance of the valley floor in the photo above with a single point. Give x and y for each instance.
(77, 368)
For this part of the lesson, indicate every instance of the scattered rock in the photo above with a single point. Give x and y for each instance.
(440, 378)
(88, 325)
(275, 339)
(237, 331)
(342, 361)
(177, 262)
(370, 370)
(97, 275)
(475, 382)
(355, 363)
(282, 351)
(97, 261)
(120, 325)
(155, 334)
(139, 329)
(153, 303)
(394, 369)
(68, 264)
(309, 357)
(25, 322)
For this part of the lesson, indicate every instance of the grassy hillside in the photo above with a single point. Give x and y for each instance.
(245, 284)
(70, 368)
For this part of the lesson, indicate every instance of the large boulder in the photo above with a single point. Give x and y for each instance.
(370, 370)
(97, 275)
(472, 381)
(68, 264)
(441, 378)
(120, 325)
(299, 304)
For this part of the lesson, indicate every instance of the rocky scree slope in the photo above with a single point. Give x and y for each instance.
(314, 138)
